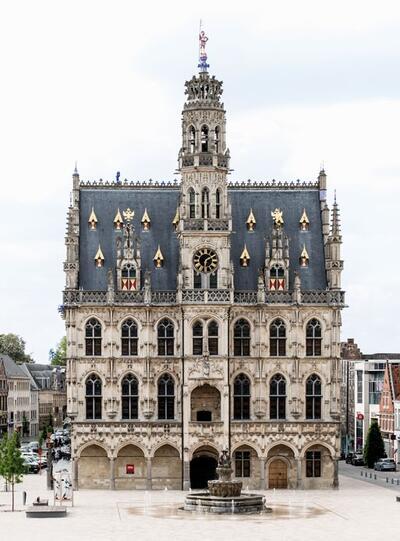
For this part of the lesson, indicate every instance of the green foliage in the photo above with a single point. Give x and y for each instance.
(14, 346)
(374, 448)
(59, 355)
(12, 465)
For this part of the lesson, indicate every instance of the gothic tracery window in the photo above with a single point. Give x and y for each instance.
(217, 139)
(93, 397)
(192, 139)
(204, 139)
(277, 397)
(129, 338)
(241, 397)
(277, 278)
(313, 464)
(313, 397)
(165, 334)
(205, 203)
(192, 203)
(242, 463)
(212, 330)
(241, 338)
(198, 338)
(313, 338)
(93, 337)
(166, 397)
(218, 203)
(277, 338)
(128, 277)
(130, 397)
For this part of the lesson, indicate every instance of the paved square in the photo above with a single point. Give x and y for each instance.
(358, 510)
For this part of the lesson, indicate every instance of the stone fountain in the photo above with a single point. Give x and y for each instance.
(224, 495)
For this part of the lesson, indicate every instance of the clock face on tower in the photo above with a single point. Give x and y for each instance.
(205, 260)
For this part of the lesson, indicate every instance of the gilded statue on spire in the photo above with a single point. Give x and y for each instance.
(202, 51)
(277, 215)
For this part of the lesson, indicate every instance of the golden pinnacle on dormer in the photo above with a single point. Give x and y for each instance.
(158, 258)
(251, 221)
(245, 257)
(146, 221)
(176, 219)
(118, 222)
(304, 258)
(92, 220)
(304, 221)
(99, 257)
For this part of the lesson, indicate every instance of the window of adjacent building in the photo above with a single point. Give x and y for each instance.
(375, 385)
(93, 397)
(205, 203)
(165, 333)
(241, 338)
(129, 338)
(192, 203)
(359, 434)
(277, 338)
(166, 397)
(277, 397)
(242, 464)
(241, 397)
(313, 464)
(93, 337)
(359, 386)
(129, 388)
(313, 397)
(313, 338)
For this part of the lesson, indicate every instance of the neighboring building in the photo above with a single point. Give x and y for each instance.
(349, 353)
(51, 382)
(3, 399)
(396, 406)
(390, 392)
(201, 316)
(34, 403)
(22, 408)
(368, 384)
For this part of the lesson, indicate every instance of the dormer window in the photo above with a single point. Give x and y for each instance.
(128, 277)
(204, 139)
(277, 278)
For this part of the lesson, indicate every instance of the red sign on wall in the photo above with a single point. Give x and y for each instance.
(360, 416)
(130, 468)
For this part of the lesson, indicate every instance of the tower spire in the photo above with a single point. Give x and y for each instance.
(335, 223)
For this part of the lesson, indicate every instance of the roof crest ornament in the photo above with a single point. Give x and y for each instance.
(277, 215)
(128, 214)
(202, 51)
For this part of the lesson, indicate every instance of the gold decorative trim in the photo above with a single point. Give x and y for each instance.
(176, 219)
(304, 258)
(99, 257)
(158, 258)
(118, 221)
(251, 221)
(93, 220)
(245, 257)
(304, 221)
(146, 220)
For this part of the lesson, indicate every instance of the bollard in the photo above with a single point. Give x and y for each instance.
(392, 481)
(387, 479)
(361, 473)
(375, 476)
(398, 482)
(370, 475)
(24, 497)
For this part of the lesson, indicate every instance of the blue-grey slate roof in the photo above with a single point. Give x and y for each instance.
(161, 205)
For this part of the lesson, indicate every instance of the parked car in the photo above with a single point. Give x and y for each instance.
(31, 465)
(385, 464)
(357, 460)
(349, 458)
(34, 446)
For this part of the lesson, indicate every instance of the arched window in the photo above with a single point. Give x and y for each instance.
(192, 203)
(166, 397)
(130, 398)
(93, 397)
(165, 333)
(241, 397)
(277, 397)
(313, 338)
(216, 139)
(241, 338)
(128, 277)
(313, 397)
(212, 338)
(192, 139)
(129, 338)
(277, 338)
(242, 463)
(276, 278)
(205, 203)
(198, 338)
(93, 337)
(218, 203)
(204, 139)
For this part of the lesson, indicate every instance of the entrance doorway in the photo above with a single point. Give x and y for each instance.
(202, 470)
(277, 474)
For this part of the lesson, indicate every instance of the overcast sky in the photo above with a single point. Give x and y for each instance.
(102, 83)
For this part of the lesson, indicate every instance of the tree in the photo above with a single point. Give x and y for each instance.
(14, 346)
(12, 465)
(59, 355)
(374, 448)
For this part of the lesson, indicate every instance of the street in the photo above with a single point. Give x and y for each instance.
(388, 479)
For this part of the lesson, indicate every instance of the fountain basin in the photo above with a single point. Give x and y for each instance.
(228, 489)
(205, 503)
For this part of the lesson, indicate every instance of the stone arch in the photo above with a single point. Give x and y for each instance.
(288, 444)
(205, 403)
(281, 466)
(207, 448)
(130, 467)
(95, 316)
(203, 463)
(247, 443)
(155, 448)
(246, 464)
(89, 444)
(93, 466)
(318, 471)
(125, 372)
(321, 444)
(244, 371)
(129, 316)
(90, 371)
(166, 467)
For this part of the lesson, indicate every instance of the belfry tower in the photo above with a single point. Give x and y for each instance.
(204, 214)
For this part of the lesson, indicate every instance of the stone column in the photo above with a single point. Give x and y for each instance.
(149, 474)
(75, 477)
(112, 473)
(299, 475)
(186, 475)
(335, 473)
(262, 473)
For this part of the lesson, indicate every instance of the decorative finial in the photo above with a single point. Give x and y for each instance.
(251, 221)
(304, 259)
(304, 221)
(117, 177)
(202, 51)
(118, 222)
(245, 257)
(92, 220)
(99, 258)
(277, 215)
(146, 220)
(128, 214)
(176, 219)
(76, 168)
(158, 258)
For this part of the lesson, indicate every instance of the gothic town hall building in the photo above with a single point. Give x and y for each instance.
(200, 316)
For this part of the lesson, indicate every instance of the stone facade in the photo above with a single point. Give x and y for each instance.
(203, 316)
